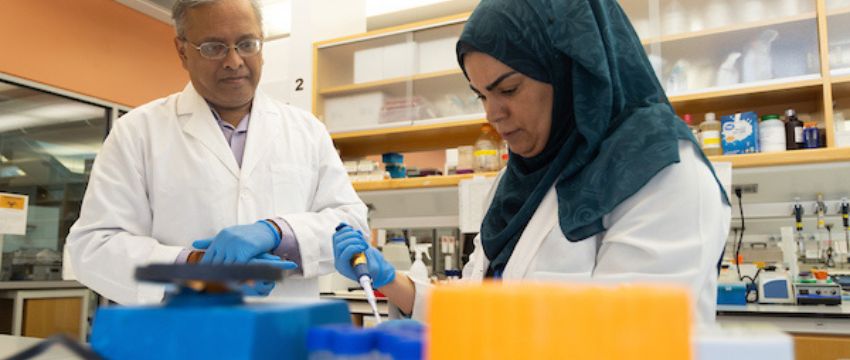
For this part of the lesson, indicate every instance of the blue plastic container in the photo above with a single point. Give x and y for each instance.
(392, 158)
(731, 294)
(211, 331)
(397, 171)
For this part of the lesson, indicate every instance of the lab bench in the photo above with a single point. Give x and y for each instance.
(820, 331)
(44, 308)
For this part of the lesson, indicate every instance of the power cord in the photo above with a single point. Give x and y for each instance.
(738, 193)
(753, 287)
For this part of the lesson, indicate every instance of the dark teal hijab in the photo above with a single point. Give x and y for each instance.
(613, 128)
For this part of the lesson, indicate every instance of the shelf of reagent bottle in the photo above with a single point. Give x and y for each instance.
(804, 94)
(809, 156)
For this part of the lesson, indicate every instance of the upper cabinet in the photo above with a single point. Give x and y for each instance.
(400, 89)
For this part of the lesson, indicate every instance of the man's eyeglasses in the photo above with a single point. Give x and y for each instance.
(215, 50)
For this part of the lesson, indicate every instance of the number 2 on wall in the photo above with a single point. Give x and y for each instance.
(299, 84)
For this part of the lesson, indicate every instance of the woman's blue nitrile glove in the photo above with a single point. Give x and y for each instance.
(238, 244)
(264, 288)
(349, 242)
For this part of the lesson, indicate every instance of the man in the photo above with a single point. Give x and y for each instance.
(219, 166)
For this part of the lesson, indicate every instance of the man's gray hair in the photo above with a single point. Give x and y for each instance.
(178, 13)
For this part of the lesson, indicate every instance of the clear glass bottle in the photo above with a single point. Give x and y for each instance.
(504, 154)
(710, 135)
(486, 150)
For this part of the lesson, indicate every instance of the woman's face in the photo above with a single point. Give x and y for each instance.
(517, 106)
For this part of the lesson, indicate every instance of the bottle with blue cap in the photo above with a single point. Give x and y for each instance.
(353, 344)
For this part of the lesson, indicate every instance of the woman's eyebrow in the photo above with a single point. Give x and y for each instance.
(499, 80)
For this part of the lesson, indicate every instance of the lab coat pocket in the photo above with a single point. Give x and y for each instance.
(291, 188)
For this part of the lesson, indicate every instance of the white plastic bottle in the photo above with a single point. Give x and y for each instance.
(418, 271)
(397, 254)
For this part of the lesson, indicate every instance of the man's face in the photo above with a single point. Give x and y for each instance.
(230, 82)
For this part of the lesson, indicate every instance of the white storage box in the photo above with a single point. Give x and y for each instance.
(398, 60)
(368, 64)
(353, 111)
(437, 55)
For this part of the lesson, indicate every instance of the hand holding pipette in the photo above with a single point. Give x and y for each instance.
(356, 260)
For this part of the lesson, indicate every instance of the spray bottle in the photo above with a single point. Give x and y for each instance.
(418, 271)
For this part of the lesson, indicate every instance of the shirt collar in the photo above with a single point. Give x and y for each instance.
(241, 128)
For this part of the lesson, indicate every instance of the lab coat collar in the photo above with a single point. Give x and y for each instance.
(200, 124)
(263, 131)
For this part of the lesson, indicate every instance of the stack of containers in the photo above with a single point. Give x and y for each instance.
(392, 340)
(394, 164)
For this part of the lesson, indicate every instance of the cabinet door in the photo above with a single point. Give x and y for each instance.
(442, 87)
(367, 84)
(838, 24)
(726, 44)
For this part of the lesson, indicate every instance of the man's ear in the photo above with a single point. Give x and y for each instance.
(180, 46)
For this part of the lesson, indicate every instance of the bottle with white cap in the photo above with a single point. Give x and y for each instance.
(710, 135)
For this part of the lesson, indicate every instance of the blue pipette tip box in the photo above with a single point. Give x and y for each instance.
(250, 331)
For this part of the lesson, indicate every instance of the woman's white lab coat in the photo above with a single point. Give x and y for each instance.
(672, 230)
(166, 177)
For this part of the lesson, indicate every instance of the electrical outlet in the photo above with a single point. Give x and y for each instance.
(746, 188)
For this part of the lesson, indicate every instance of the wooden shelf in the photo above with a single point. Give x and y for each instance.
(351, 88)
(838, 11)
(812, 156)
(733, 28)
(408, 138)
(745, 97)
(416, 183)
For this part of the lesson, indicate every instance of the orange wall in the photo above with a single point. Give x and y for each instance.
(98, 48)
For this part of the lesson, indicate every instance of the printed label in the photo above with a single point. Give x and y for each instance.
(798, 134)
(710, 139)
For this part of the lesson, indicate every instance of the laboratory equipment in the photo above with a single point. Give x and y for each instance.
(732, 293)
(845, 220)
(391, 340)
(361, 269)
(205, 317)
(771, 134)
(394, 164)
(487, 150)
(818, 294)
(775, 288)
(397, 254)
(793, 130)
(757, 63)
(709, 133)
(798, 225)
(497, 319)
(728, 73)
(418, 271)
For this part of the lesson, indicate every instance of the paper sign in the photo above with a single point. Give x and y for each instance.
(13, 214)
(472, 201)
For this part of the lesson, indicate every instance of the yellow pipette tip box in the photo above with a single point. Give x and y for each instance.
(559, 321)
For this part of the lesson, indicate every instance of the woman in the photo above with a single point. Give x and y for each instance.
(604, 182)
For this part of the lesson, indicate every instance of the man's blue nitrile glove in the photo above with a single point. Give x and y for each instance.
(349, 242)
(238, 244)
(264, 288)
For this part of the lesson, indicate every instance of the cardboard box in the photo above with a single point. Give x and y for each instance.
(739, 133)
